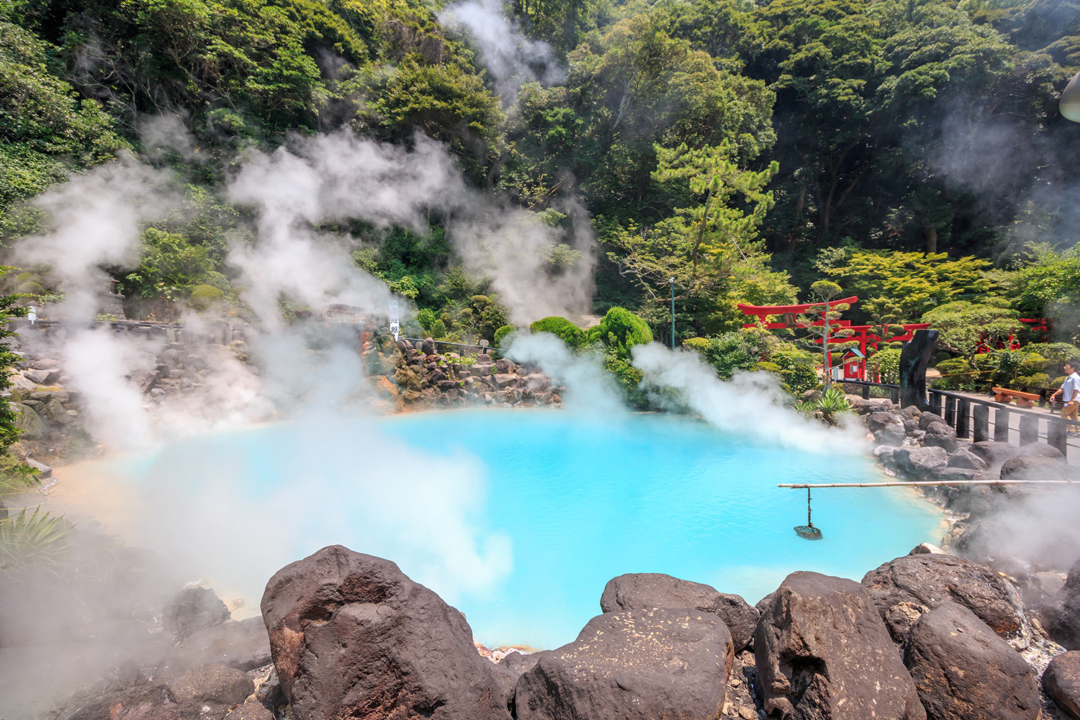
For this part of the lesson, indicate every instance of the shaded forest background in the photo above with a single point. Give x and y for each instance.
(909, 150)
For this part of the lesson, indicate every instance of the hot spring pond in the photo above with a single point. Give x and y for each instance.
(518, 518)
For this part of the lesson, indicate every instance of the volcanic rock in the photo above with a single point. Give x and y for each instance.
(893, 434)
(21, 387)
(940, 435)
(927, 419)
(815, 647)
(1061, 616)
(537, 383)
(1036, 467)
(29, 423)
(219, 684)
(243, 645)
(963, 671)
(633, 665)
(1062, 682)
(43, 377)
(427, 347)
(921, 462)
(251, 709)
(877, 420)
(352, 636)
(505, 380)
(909, 586)
(994, 453)
(968, 460)
(193, 609)
(641, 591)
(505, 366)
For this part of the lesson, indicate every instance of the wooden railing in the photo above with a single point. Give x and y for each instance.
(980, 419)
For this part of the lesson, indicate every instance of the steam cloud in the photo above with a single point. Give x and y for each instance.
(509, 55)
(748, 404)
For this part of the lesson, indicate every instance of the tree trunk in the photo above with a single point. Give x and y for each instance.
(931, 238)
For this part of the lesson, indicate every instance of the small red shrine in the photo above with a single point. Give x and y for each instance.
(853, 368)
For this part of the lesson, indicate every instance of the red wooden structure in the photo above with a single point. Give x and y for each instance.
(854, 368)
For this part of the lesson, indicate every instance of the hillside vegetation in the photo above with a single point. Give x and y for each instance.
(909, 150)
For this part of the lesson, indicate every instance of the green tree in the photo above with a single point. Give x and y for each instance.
(964, 325)
(913, 282)
(827, 314)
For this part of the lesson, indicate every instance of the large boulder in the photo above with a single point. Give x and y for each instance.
(921, 463)
(1061, 616)
(243, 645)
(217, 684)
(29, 423)
(633, 665)
(352, 636)
(880, 420)
(1037, 467)
(823, 654)
(193, 609)
(641, 591)
(909, 586)
(939, 434)
(968, 460)
(1062, 682)
(964, 671)
(994, 453)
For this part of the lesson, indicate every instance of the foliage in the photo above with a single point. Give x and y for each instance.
(914, 282)
(964, 325)
(1049, 286)
(830, 405)
(735, 351)
(795, 367)
(32, 538)
(886, 364)
(170, 267)
(820, 321)
(502, 332)
(956, 374)
(565, 330)
(620, 330)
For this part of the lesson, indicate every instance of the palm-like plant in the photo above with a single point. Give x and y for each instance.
(32, 538)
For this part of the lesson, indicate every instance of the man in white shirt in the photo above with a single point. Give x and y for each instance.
(1070, 394)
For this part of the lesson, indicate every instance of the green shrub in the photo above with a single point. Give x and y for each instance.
(203, 296)
(796, 368)
(502, 333)
(1035, 380)
(885, 363)
(562, 328)
(438, 330)
(426, 318)
(621, 330)
(699, 344)
(1033, 363)
(956, 373)
(1057, 354)
(738, 350)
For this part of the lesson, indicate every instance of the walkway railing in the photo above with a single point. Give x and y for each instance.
(980, 419)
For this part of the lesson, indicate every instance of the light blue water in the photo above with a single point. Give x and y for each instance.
(580, 500)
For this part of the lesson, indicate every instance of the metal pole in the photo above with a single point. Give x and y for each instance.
(799, 486)
(672, 313)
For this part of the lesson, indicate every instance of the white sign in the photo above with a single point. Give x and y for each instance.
(395, 325)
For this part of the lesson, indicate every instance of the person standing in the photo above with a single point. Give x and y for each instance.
(1070, 394)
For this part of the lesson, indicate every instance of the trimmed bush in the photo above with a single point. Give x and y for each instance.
(203, 296)
(885, 363)
(562, 328)
(621, 330)
(699, 344)
(1035, 380)
(955, 374)
(502, 333)
(796, 368)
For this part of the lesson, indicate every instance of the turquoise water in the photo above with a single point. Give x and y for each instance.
(520, 518)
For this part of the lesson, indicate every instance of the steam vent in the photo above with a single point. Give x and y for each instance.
(1070, 100)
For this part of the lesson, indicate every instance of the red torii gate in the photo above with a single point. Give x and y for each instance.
(852, 370)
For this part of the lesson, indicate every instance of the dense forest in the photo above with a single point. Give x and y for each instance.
(725, 151)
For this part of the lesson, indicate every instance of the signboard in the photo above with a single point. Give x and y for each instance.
(395, 325)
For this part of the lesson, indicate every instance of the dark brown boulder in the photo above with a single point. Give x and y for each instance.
(823, 654)
(211, 684)
(352, 636)
(641, 591)
(1062, 682)
(964, 671)
(909, 586)
(1061, 615)
(633, 665)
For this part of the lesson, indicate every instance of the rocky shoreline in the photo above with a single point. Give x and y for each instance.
(342, 634)
(962, 632)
